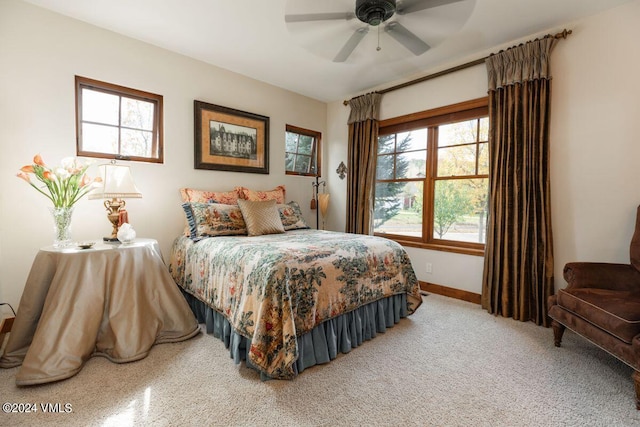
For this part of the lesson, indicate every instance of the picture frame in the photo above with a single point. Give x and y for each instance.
(227, 139)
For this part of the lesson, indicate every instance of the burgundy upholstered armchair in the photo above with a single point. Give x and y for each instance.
(602, 304)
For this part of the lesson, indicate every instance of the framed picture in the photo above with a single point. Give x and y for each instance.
(230, 140)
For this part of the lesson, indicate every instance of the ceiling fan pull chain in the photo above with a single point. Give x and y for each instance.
(378, 49)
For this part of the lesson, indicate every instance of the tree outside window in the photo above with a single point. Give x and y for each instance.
(400, 171)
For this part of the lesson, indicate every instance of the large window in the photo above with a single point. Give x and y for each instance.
(432, 178)
(302, 151)
(116, 122)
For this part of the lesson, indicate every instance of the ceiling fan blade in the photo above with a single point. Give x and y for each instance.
(409, 6)
(319, 17)
(406, 38)
(351, 44)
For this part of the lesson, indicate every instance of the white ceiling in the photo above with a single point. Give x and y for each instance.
(250, 37)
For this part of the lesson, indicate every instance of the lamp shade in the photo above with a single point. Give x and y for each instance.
(117, 183)
(323, 201)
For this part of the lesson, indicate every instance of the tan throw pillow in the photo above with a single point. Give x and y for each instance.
(261, 217)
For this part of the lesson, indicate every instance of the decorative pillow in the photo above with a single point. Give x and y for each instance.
(261, 217)
(203, 196)
(291, 216)
(191, 195)
(214, 219)
(190, 228)
(276, 194)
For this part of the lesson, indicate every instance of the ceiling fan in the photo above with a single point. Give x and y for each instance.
(374, 13)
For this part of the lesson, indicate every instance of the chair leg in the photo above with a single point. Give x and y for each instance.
(636, 384)
(558, 330)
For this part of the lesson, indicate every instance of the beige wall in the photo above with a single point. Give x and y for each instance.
(595, 147)
(40, 52)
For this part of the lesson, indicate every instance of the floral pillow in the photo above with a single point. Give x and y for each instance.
(203, 196)
(214, 219)
(190, 195)
(291, 216)
(276, 194)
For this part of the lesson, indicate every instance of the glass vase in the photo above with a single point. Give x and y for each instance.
(61, 226)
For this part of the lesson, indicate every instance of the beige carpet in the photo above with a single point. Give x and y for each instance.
(450, 364)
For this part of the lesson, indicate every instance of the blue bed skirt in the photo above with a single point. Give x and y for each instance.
(323, 343)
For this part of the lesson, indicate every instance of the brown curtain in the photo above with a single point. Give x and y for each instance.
(361, 162)
(518, 265)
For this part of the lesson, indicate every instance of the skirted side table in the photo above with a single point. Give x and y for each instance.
(115, 301)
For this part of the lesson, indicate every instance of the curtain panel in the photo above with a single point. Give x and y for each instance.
(361, 162)
(518, 266)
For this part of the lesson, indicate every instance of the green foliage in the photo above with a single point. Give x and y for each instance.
(387, 204)
(418, 200)
(451, 203)
(64, 185)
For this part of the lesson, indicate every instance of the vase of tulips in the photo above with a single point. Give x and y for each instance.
(64, 185)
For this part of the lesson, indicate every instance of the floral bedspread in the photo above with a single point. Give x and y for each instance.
(274, 288)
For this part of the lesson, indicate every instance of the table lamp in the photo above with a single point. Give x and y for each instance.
(117, 184)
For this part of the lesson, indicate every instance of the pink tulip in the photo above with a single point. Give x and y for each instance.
(48, 175)
(85, 180)
(27, 169)
(24, 176)
(38, 160)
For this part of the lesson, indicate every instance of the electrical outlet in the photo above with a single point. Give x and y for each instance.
(429, 268)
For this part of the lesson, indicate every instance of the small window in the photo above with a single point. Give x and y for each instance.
(115, 122)
(302, 151)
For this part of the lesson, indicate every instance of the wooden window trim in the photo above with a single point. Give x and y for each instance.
(121, 91)
(318, 152)
(436, 115)
(427, 119)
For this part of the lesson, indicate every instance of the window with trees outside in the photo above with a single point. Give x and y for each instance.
(432, 178)
(302, 151)
(115, 122)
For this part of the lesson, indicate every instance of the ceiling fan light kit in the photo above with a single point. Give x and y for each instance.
(374, 13)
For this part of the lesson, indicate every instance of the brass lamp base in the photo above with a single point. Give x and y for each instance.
(113, 207)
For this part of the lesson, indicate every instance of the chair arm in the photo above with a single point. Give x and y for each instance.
(602, 275)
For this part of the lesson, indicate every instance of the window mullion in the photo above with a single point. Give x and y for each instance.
(477, 171)
(314, 157)
(120, 126)
(295, 154)
(429, 185)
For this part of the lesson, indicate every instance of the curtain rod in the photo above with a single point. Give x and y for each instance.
(561, 35)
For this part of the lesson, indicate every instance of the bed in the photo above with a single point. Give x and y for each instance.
(291, 299)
